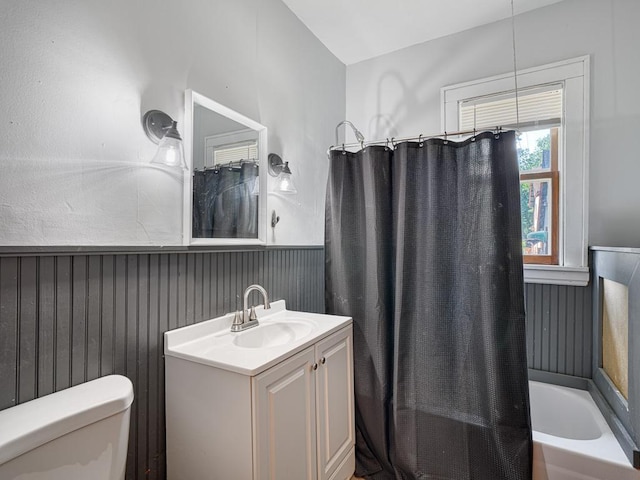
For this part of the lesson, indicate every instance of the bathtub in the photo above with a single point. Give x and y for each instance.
(571, 439)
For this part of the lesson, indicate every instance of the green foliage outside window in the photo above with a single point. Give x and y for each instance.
(530, 160)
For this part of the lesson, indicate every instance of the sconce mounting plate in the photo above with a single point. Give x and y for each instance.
(156, 124)
(275, 164)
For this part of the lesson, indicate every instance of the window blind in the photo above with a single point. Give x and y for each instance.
(540, 106)
(234, 153)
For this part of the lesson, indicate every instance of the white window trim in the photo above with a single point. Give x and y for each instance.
(574, 161)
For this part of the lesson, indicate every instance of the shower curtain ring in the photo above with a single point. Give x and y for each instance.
(386, 145)
(344, 151)
(393, 143)
(445, 138)
(362, 144)
(420, 142)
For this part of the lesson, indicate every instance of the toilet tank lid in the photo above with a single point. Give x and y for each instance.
(34, 423)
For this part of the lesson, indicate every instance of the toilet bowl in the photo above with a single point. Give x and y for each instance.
(77, 433)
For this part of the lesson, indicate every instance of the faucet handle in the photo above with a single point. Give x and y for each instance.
(238, 322)
(252, 314)
(237, 318)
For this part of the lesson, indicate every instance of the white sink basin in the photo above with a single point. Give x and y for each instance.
(281, 332)
(273, 334)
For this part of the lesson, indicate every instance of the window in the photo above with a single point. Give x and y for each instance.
(539, 120)
(540, 196)
(552, 120)
(224, 154)
(225, 148)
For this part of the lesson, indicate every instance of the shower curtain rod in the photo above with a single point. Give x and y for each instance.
(393, 141)
(518, 127)
(232, 164)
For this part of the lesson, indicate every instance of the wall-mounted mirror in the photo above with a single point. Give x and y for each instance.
(225, 186)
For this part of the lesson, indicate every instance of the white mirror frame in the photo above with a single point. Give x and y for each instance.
(192, 98)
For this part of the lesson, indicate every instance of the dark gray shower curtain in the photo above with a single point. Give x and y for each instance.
(423, 250)
(224, 205)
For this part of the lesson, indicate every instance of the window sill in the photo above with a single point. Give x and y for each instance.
(556, 275)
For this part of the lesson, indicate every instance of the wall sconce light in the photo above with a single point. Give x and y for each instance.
(280, 169)
(162, 130)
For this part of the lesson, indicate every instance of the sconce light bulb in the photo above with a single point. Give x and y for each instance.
(170, 153)
(285, 182)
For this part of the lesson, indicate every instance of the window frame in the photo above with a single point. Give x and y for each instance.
(553, 176)
(573, 75)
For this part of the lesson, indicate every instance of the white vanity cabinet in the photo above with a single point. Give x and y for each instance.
(303, 411)
(278, 413)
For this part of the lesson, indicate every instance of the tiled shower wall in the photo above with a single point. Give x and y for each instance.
(66, 319)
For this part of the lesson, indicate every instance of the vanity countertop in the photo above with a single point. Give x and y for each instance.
(281, 333)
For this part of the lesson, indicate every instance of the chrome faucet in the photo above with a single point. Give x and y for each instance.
(248, 318)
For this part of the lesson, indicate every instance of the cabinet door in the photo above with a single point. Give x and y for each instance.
(335, 411)
(284, 443)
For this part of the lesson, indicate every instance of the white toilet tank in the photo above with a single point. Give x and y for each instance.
(77, 433)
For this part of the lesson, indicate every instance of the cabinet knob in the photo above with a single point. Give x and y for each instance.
(323, 360)
(315, 366)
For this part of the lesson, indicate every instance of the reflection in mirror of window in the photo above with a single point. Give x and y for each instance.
(235, 152)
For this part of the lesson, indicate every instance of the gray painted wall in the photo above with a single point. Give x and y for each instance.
(398, 94)
(622, 266)
(77, 76)
(68, 319)
(559, 325)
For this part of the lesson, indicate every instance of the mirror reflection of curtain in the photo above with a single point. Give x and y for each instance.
(223, 203)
